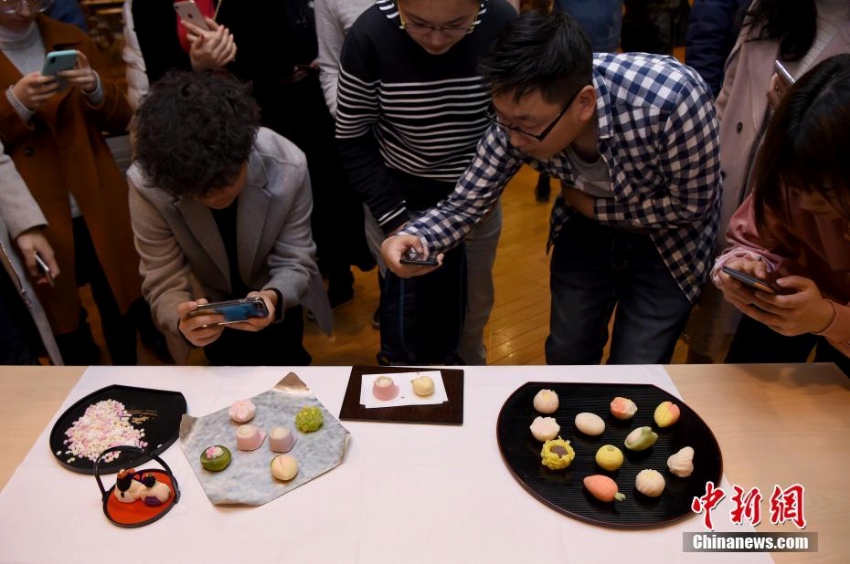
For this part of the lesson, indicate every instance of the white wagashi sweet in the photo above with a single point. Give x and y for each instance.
(650, 483)
(590, 424)
(681, 463)
(546, 401)
(545, 428)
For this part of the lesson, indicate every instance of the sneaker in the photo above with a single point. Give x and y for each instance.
(376, 319)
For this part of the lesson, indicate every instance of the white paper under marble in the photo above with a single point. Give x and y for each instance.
(405, 396)
(248, 479)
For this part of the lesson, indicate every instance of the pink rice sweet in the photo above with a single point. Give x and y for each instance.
(384, 388)
(281, 439)
(249, 437)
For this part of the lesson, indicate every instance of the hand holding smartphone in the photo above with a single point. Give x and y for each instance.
(233, 311)
(412, 257)
(753, 282)
(44, 270)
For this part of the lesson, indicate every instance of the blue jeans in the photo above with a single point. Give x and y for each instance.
(596, 267)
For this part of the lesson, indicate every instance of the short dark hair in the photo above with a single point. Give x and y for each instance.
(194, 131)
(538, 52)
(807, 141)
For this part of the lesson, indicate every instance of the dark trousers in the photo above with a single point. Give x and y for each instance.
(18, 335)
(755, 342)
(279, 344)
(422, 317)
(596, 267)
(119, 330)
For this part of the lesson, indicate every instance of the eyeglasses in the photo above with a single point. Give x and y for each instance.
(491, 115)
(422, 29)
(15, 6)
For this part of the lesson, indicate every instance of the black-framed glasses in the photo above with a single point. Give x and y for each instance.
(15, 6)
(491, 115)
(421, 29)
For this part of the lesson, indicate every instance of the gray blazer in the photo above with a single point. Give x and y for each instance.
(18, 213)
(183, 256)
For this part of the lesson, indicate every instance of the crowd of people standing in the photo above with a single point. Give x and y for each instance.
(281, 144)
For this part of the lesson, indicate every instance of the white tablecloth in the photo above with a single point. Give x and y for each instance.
(405, 493)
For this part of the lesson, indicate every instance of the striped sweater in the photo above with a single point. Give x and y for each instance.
(408, 122)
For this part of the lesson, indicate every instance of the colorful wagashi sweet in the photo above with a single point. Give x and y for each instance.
(215, 458)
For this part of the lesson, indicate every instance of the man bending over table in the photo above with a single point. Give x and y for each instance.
(221, 210)
(634, 140)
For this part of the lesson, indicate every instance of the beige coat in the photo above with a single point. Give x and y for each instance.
(183, 256)
(742, 108)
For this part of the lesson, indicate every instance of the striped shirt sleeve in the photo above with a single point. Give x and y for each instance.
(357, 117)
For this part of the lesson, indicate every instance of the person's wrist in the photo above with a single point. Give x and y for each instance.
(826, 315)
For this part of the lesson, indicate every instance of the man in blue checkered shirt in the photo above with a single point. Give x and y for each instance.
(634, 140)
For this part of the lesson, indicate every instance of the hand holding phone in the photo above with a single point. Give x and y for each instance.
(44, 270)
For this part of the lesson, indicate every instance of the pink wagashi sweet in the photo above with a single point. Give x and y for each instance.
(249, 437)
(281, 439)
(284, 467)
(242, 411)
(384, 388)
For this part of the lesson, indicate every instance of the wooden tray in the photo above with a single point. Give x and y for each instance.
(449, 413)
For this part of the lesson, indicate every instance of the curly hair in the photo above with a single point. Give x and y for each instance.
(539, 52)
(194, 131)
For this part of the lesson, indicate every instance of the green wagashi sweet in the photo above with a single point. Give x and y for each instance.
(215, 458)
(309, 419)
(641, 439)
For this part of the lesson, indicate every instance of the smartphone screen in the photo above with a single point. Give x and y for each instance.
(233, 311)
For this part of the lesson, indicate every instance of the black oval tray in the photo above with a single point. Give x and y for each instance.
(162, 409)
(563, 490)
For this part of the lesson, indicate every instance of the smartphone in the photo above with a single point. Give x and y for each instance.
(430, 261)
(57, 61)
(44, 270)
(753, 282)
(188, 11)
(234, 311)
(783, 72)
